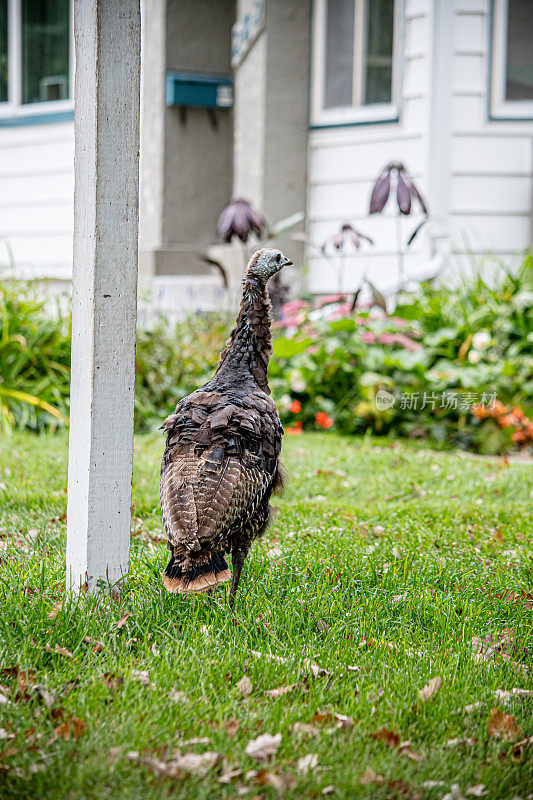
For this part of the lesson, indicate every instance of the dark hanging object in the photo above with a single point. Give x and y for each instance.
(240, 219)
(346, 234)
(407, 193)
(380, 193)
(402, 195)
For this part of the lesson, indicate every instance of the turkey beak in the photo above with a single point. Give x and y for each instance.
(287, 263)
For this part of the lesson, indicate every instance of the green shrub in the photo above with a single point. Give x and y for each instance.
(34, 361)
(449, 348)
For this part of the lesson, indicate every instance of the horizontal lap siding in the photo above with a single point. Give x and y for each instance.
(344, 163)
(36, 197)
(491, 161)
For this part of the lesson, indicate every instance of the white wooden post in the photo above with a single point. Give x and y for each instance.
(107, 39)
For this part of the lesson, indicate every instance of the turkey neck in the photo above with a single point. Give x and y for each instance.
(250, 344)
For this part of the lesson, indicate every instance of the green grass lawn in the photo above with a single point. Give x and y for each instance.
(384, 564)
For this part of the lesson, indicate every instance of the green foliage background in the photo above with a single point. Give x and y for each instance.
(334, 366)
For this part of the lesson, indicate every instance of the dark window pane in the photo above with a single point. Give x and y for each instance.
(338, 79)
(45, 50)
(379, 23)
(519, 76)
(3, 51)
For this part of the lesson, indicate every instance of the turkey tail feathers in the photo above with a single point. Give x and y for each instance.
(196, 577)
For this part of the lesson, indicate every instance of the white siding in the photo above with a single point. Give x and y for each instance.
(491, 161)
(344, 162)
(36, 197)
(487, 204)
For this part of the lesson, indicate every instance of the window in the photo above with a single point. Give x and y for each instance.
(35, 57)
(355, 61)
(3, 51)
(512, 60)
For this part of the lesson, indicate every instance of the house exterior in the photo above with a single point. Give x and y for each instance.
(325, 93)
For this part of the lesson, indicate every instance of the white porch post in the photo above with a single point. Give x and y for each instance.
(107, 38)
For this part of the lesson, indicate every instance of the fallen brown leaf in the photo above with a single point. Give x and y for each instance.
(176, 696)
(458, 742)
(304, 729)
(229, 775)
(244, 686)
(57, 650)
(123, 620)
(518, 749)
(502, 695)
(430, 689)
(306, 763)
(390, 738)
(56, 608)
(501, 725)
(231, 726)
(73, 726)
(96, 646)
(143, 676)
(280, 690)
(112, 681)
(369, 776)
(264, 746)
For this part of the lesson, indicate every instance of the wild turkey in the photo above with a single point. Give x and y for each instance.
(221, 461)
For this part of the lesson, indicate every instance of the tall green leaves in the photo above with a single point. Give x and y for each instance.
(34, 361)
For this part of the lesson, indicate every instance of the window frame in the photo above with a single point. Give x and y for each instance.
(321, 117)
(498, 107)
(13, 111)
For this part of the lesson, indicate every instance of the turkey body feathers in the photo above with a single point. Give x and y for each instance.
(221, 461)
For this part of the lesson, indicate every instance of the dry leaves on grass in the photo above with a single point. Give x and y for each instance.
(244, 686)
(493, 646)
(56, 608)
(231, 726)
(323, 627)
(72, 727)
(96, 646)
(229, 775)
(468, 741)
(263, 777)
(331, 718)
(177, 696)
(123, 620)
(57, 650)
(502, 725)
(143, 676)
(430, 689)
(306, 763)
(264, 746)
(194, 763)
(281, 690)
(392, 739)
(112, 681)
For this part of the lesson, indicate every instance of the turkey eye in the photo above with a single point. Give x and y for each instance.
(278, 258)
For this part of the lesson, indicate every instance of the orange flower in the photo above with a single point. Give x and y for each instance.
(517, 412)
(295, 407)
(480, 412)
(298, 423)
(519, 437)
(321, 418)
(497, 408)
(293, 431)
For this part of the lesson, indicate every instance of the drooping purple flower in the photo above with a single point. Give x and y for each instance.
(380, 192)
(407, 192)
(239, 218)
(346, 234)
